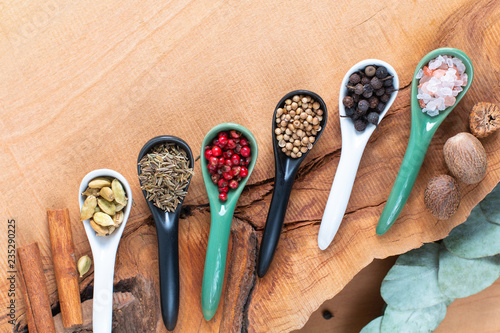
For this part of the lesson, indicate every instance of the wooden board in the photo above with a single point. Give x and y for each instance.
(85, 85)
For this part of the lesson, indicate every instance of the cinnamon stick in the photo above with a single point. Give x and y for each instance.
(63, 257)
(34, 290)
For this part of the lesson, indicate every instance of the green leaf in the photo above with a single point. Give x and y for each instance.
(413, 321)
(373, 326)
(491, 205)
(459, 277)
(475, 238)
(412, 283)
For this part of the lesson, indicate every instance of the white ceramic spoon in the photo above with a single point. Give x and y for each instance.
(353, 145)
(104, 253)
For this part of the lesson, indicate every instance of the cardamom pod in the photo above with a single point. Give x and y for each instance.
(99, 182)
(119, 192)
(83, 265)
(106, 206)
(118, 218)
(97, 209)
(103, 219)
(91, 191)
(101, 231)
(118, 206)
(111, 229)
(107, 193)
(88, 208)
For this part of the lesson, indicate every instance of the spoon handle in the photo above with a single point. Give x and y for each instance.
(168, 258)
(407, 175)
(274, 222)
(215, 260)
(339, 195)
(104, 269)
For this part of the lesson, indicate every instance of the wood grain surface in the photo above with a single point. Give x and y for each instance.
(86, 84)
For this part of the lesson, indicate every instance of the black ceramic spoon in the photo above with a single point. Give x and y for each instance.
(285, 168)
(167, 231)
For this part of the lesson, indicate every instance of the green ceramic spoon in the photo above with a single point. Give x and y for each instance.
(220, 226)
(423, 128)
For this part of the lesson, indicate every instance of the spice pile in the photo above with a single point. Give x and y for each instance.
(165, 174)
(103, 205)
(297, 124)
(227, 160)
(440, 82)
(368, 92)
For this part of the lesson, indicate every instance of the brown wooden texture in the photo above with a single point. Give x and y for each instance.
(65, 271)
(85, 85)
(34, 290)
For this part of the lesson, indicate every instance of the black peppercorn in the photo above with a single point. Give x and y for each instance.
(349, 112)
(380, 92)
(356, 98)
(359, 125)
(373, 102)
(367, 88)
(358, 89)
(365, 80)
(376, 83)
(388, 82)
(372, 118)
(385, 98)
(363, 105)
(370, 71)
(389, 90)
(327, 315)
(348, 101)
(381, 72)
(380, 107)
(367, 94)
(355, 78)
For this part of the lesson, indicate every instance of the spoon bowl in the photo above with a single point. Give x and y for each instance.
(167, 226)
(220, 226)
(353, 146)
(423, 128)
(285, 170)
(104, 250)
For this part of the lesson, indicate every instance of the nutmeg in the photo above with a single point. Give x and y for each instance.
(442, 196)
(465, 157)
(484, 119)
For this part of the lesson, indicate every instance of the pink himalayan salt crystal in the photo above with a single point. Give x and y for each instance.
(440, 82)
(449, 101)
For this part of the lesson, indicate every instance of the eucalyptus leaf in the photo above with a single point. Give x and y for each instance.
(413, 321)
(491, 205)
(475, 238)
(373, 326)
(412, 283)
(459, 277)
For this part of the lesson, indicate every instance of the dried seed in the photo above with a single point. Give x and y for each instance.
(106, 206)
(91, 191)
(118, 218)
(99, 182)
(88, 208)
(107, 193)
(101, 231)
(165, 173)
(103, 219)
(118, 206)
(119, 192)
(83, 265)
